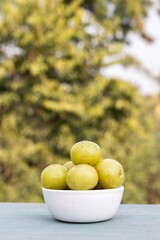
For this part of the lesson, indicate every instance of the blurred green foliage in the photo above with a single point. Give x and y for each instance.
(52, 94)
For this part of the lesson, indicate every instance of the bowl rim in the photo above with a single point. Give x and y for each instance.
(67, 191)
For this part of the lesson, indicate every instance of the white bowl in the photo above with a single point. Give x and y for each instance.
(83, 205)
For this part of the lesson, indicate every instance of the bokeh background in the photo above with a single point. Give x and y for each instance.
(59, 85)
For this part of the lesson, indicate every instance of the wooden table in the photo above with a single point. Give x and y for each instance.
(27, 221)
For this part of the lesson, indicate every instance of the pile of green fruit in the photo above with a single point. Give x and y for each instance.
(86, 170)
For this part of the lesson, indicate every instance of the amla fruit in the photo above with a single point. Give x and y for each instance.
(86, 152)
(54, 177)
(111, 173)
(69, 165)
(82, 177)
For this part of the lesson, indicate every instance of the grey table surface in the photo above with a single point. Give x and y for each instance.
(33, 221)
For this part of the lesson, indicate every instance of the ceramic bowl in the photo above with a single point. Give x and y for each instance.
(83, 205)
